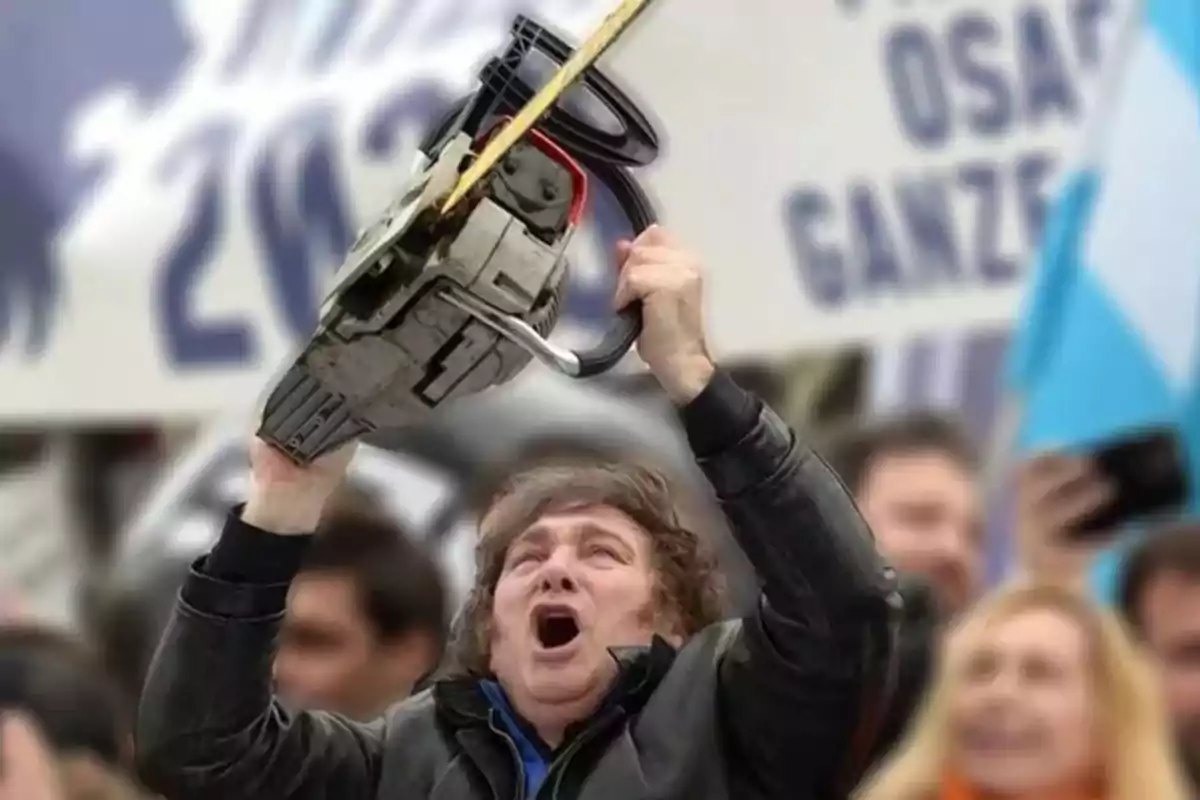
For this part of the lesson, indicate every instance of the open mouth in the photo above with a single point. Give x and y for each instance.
(994, 741)
(555, 626)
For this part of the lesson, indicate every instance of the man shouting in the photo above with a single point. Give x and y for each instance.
(593, 663)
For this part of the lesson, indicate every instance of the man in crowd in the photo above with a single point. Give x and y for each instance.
(1160, 596)
(915, 478)
(64, 726)
(366, 616)
(54, 679)
(31, 769)
(594, 661)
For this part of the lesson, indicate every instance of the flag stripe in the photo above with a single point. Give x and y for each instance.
(1176, 26)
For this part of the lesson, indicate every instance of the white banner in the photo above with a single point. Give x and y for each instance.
(184, 514)
(41, 565)
(182, 188)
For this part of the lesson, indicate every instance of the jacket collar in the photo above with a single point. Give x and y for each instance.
(461, 701)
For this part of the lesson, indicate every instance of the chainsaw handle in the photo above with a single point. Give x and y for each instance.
(612, 348)
(636, 206)
(620, 338)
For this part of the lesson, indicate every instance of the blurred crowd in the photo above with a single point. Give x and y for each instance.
(1037, 685)
(800, 597)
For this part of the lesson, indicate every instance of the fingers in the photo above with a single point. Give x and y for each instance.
(652, 272)
(624, 249)
(656, 236)
(1045, 476)
(651, 264)
(1074, 507)
(1060, 490)
(272, 465)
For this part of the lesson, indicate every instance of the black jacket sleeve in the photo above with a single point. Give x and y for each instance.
(208, 725)
(803, 688)
(920, 631)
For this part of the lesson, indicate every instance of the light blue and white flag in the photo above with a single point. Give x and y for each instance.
(1108, 339)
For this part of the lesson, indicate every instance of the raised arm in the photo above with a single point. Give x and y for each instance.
(804, 685)
(208, 725)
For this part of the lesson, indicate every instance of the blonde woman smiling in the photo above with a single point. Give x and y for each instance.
(1040, 695)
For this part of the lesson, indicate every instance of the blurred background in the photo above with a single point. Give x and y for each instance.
(180, 180)
(874, 187)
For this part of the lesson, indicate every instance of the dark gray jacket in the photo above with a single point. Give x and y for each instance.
(781, 704)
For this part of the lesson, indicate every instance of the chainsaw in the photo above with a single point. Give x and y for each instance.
(458, 284)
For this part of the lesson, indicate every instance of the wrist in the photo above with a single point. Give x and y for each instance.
(283, 511)
(1072, 570)
(687, 377)
(1074, 580)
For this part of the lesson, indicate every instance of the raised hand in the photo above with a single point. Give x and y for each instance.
(288, 499)
(658, 272)
(1054, 493)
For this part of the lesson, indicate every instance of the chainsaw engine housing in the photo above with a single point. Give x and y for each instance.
(430, 306)
(420, 312)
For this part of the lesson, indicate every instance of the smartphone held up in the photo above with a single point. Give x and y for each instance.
(1147, 476)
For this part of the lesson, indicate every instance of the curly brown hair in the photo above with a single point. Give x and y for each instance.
(690, 590)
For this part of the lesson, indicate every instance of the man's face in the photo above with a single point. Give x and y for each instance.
(330, 658)
(925, 510)
(574, 584)
(1170, 615)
